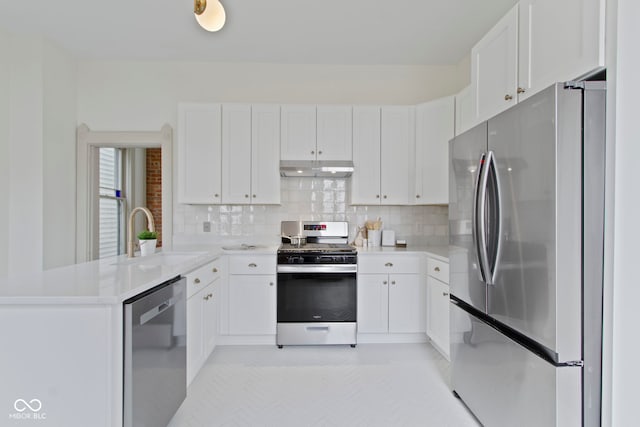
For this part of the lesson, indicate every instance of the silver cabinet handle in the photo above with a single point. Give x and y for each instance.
(196, 280)
(436, 269)
(445, 294)
(389, 264)
(508, 97)
(253, 265)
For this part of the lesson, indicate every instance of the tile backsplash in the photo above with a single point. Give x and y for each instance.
(323, 199)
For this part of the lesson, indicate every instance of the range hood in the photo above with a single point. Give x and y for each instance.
(316, 168)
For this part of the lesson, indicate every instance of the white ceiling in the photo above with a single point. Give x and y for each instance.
(279, 31)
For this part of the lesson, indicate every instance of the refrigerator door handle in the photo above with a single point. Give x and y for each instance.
(496, 228)
(479, 232)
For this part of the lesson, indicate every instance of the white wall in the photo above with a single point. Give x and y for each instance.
(4, 153)
(59, 145)
(624, 297)
(144, 95)
(37, 143)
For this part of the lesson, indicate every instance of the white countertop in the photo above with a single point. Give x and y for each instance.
(439, 252)
(113, 280)
(105, 281)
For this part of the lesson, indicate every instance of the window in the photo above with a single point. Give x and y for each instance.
(112, 203)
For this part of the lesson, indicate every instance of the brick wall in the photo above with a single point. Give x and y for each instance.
(154, 188)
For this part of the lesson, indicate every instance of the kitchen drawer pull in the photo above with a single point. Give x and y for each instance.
(393, 282)
(445, 294)
(389, 264)
(384, 283)
(521, 90)
(377, 196)
(207, 297)
(436, 269)
(216, 195)
(270, 283)
(384, 197)
(253, 265)
(196, 280)
(313, 152)
(320, 152)
(254, 196)
(246, 196)
(508, 97)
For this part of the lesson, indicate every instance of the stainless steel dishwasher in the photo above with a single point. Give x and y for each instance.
(155, 355)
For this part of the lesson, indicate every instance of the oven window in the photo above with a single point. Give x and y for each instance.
(317, 297)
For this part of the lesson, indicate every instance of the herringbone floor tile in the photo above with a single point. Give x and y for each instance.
(370, 385)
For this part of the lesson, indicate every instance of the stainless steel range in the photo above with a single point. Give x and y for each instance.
(317, 298)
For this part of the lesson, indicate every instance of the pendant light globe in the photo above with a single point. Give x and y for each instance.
(210, 14)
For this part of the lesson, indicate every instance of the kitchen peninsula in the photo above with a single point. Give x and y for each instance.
(63, 333)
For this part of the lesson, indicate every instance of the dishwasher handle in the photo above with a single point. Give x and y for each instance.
(158, 310)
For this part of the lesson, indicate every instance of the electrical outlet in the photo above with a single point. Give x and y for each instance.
(206, 226)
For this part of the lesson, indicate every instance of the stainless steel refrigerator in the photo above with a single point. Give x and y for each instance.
(526, 219)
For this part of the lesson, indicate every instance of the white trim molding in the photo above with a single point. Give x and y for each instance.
(88, 142)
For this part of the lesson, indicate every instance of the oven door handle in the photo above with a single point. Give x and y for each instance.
(318, 268)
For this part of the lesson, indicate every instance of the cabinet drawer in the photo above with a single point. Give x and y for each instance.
(199, 278)
(438, 269)
(406, 264)
(252, 264)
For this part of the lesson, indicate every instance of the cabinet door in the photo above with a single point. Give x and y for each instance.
(265, 154)
(373, 303)
(438, 314)
(199, 148)
(464, 111)
(558, 41)
(236, 154)
(397, 137)
(298, 141)
(195, 341)
(494, 68)
(334, 134)
(365, 181)
(407, 303)
(210, 312)
(252, 305)
(434, 129)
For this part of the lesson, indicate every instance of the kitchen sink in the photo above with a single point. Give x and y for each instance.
(242, 247)
(160, 258)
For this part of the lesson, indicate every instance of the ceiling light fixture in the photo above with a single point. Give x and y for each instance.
(210, 15)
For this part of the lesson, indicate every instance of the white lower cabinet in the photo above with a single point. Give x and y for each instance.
(203, 307)
(438, 305)
(393, 302)
(251, 295)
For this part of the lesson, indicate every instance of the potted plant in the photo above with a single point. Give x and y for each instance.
(147, 241)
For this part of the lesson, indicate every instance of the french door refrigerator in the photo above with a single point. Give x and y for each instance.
(526, 260)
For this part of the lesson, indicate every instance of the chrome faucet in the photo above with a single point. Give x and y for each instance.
(130, 244)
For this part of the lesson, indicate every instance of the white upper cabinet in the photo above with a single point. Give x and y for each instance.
(236, 154)
(537, 43)
(298, 141)
(250, 154)
(265, 154)
(334, 132)
(382, 140)
(365, 181)
(494, 68)
(316, 133)
(464, 111)
(558, 40)
(199, 144)
(434, 129)
(396, 140)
